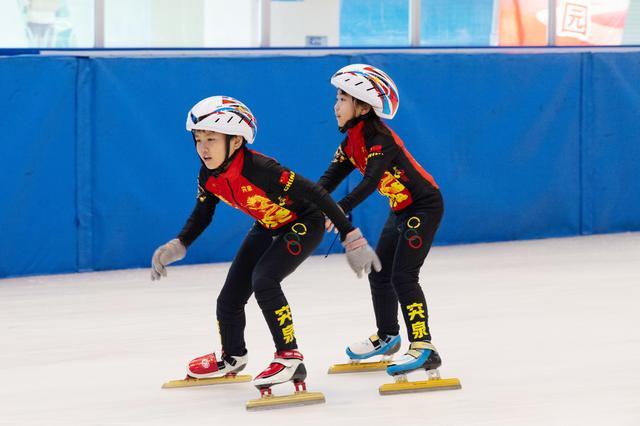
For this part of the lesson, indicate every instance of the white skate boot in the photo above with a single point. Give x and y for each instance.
(373, 346)
(286, 366)
(365, 349)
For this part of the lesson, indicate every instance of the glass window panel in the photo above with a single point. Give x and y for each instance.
(456, 23)
(522, 22)
(46, 23)
(590, 22)
(153, 23)
(374, 23)
(231, 23)
(310, 23)
(188, 23)
(578, 22)
(631, 33)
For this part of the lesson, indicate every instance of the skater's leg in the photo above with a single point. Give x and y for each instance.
(383, 296)
(292, 246)
(385, 303)
(230, 310)
(417, 230)
(238, 288)
(289, 249)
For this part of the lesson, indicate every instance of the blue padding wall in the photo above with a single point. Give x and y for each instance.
(611, 147)
(98, 169)
(38, 232)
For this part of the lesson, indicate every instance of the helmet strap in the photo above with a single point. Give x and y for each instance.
(228, 147)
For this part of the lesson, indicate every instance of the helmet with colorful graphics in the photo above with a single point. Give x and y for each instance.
(370, 85)
(223, 114)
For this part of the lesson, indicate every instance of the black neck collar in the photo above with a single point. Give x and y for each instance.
(354, 121)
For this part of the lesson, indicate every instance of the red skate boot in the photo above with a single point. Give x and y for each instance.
(207, 370)
(208, 367)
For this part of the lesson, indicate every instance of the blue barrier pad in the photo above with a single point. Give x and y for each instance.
(98, 168)
(37, 159)
(612, 144)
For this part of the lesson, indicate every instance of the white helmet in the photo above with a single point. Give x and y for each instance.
(223, 114)
(370, 85)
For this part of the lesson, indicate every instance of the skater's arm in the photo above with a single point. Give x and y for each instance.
(302, 187)
(200, 217)
(290, 185)
(382, 150)
(176, 249)
(339, 169)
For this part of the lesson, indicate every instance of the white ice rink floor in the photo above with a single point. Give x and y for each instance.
(540, 333)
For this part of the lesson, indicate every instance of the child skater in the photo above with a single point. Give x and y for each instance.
(289, 226)
(365, 94)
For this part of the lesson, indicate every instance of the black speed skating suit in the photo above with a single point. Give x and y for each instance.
(289, 226)
(416, 210)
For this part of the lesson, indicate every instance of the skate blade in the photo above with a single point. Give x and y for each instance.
(420, 386)
(360, 367)
(188, 382)
(296, 399)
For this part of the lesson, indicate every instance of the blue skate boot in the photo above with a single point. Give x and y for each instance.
(421, 355)
(373, 346)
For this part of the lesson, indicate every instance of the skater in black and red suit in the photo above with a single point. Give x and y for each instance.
(366, 94)
(290, 213)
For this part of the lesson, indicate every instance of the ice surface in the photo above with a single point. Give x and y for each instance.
(540, 333)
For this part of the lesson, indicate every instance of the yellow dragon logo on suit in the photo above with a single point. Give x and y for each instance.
(391, 187)
(271, 214)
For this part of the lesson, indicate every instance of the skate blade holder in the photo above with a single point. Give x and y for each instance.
(357, 366)
(191, 381)
(268, 401)
(434, 383)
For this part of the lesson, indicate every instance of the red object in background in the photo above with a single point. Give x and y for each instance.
(578, 22)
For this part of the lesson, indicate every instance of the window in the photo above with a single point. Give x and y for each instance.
(315, 23)
(46, 23)
(310, 23)
(374, 23)
(456, 23)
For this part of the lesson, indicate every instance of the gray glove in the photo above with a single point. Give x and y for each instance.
(164, 255)
(360, 255)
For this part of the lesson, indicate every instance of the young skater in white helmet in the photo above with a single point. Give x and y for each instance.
(365, 95)
(289, 226)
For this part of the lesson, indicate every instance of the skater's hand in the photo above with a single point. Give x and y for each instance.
(360, 255)
(329, 226)
(164, 255)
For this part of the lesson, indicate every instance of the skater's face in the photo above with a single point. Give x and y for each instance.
(348, 107)
(212, 147)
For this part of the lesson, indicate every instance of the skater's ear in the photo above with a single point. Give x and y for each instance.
(236, 142)
(361, 107)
